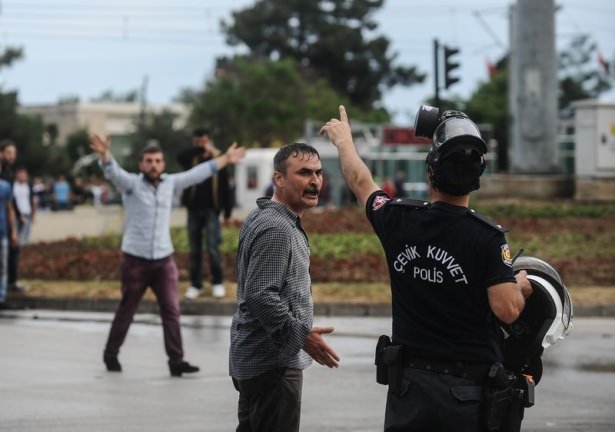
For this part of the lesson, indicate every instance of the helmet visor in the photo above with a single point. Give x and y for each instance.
(456, 133)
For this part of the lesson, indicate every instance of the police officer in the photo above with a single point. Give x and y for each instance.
(451, 279)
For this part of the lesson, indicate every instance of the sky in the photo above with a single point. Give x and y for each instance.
(85, 47)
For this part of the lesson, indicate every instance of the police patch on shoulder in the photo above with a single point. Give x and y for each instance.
(506, 257)
(379, 201)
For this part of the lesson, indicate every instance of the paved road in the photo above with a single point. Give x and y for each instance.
(52, 378)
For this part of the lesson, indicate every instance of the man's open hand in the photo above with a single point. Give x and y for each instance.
(235, 153)
(317, 347)
(101, 146)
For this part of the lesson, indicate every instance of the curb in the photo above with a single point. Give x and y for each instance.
(227, 308)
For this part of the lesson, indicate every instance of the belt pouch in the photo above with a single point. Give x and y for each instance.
(382, 370)
(393, 358)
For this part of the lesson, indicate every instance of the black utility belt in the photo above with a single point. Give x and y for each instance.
(391, 359)
(474, 371)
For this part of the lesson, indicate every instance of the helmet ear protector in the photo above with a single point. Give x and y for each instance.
(546, 318)
(451, 133)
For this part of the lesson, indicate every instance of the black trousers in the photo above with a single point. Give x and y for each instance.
(434, 402)
(13, 265)
(270, 402)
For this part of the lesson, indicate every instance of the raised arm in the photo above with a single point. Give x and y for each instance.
(233, 155)
(113, 172)
(357, 175)
(101, 146)
(207, 169)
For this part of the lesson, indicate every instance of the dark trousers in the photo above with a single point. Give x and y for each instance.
(206, 220)
(13, 265)
(434, 402)
(270, 402)
(137, 274)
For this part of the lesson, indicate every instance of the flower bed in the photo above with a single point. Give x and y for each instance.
(344, 249)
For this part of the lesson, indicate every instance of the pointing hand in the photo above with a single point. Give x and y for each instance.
(338, 130)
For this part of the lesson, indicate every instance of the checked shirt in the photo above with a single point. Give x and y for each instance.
(274, 299)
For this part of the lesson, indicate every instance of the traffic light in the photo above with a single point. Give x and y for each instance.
(450, 66)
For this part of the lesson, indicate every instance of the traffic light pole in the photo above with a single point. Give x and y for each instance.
(449, 66)
(436, 49)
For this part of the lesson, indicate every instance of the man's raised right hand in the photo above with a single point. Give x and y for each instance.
(101, 146)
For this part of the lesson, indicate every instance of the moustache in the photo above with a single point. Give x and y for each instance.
(312, 191)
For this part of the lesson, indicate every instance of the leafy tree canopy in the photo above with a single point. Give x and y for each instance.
(489, 105)
(578, 76)
(25, 131)
(331, 37)
(111, 96)
(9, 55)
(262, 103)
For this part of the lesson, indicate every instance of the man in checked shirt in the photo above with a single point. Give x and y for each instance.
(272, 337)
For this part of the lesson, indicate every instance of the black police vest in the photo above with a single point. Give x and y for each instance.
(441, 260)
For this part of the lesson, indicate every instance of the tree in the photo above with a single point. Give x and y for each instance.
(110, 96)
(159, 128)
(489, 104)
(25, 131)
(261, 103)
(578, 78)
(327, 36)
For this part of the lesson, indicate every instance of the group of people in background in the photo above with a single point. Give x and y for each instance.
(64, 193)
(272, 335)
(21, 197)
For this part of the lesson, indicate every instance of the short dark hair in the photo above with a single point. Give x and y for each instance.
(150, 148)
(292, 150)
(6, 143)
(200, 131)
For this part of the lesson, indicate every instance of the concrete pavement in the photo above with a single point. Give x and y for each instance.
(52, 378)
(86, 220)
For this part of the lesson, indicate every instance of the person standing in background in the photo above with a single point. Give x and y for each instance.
(204, 202)
(8, 235)
(24, 201)
(147, 249)
(9, 155)
(61, 194)
(400, 179)
(40, 192)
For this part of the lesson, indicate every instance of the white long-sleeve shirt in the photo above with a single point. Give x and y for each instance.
(148, 208)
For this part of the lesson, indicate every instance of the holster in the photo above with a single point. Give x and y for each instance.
(382, 370)
(506, 396)
(389, 363)
(393, 357)
(498, 407)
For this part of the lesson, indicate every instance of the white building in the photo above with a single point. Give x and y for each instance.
(118, 119)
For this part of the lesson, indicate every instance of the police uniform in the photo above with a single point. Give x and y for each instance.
(441, 260)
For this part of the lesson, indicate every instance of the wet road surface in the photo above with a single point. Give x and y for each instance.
(52, 378)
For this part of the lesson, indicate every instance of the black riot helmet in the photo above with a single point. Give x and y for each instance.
(456, 158)
(546, 318)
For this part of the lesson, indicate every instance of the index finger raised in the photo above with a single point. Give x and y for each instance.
(343, 115)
